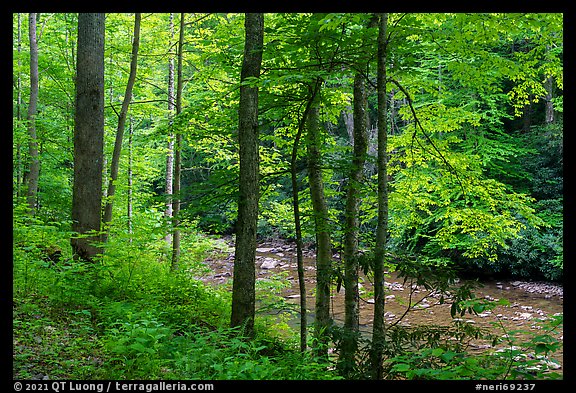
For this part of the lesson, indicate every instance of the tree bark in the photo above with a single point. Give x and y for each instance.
(322, 228)
(120, 130)
(170, 154)
(177, 157)
(88, 137)
(18, 107)
(243, 291)
(34, 167)
(129, 205)
(297, 223)
(549, 86)
(299, 243)
(378, 332)
(351, 295)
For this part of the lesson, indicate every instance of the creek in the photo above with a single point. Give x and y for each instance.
(529, 302)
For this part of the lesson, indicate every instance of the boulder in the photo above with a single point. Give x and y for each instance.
(269, 263)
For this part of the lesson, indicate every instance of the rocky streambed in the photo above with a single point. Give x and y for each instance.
(528, 302)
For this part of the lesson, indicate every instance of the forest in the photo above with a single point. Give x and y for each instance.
(287, 196)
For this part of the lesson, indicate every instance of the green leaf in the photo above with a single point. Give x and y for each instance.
(401, 367)
(478, 308)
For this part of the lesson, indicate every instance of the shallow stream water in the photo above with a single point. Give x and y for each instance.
(529, 302)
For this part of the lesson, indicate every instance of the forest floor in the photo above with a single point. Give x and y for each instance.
(65, 331)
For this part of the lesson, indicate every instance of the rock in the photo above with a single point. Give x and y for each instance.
(264, 249)
(269, 263)
(481, 346)
(550, 364)
(395, 286)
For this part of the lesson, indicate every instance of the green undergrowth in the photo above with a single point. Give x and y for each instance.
(130, 317)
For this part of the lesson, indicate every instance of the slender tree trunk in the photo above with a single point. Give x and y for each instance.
(549, 86)
(379, 333)
(243, 291)
(129, 199)
(175, 261)
(177, 157)
(297, 223)
(19, 175)
(170, 154)
(34, 167)
(88, 137)
(323, 242)
(351, 295)
(120, 130)
(299, 244)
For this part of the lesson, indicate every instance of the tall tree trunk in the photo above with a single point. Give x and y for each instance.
(351, 295)
(34, 167)
(379, 333)
(322, 228)
(19, 174)
(297, 223)
(243, 291)
(88, 136)
(129, 198)
(170, 149)
(299, 243)
(177, 157)
(120, 130)
(175, 261)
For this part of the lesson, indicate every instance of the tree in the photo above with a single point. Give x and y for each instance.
(351, 227)
(322, 227)
(129, 202)
(107, 218)
(88, 137)
(18, 154)
(296, 214)
(170, 153)
(243, 290)
(177, 157)
(34, 167)
(378, 332)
